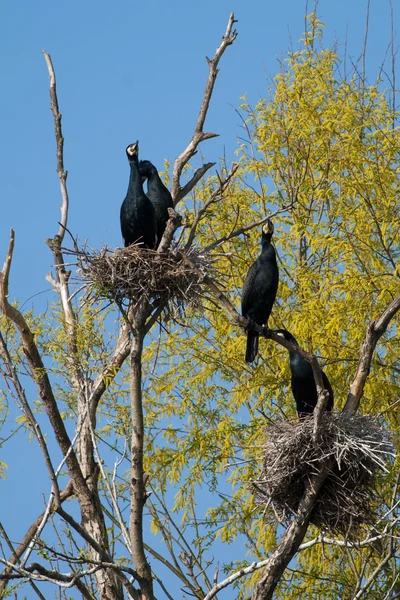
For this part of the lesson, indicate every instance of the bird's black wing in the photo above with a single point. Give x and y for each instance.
(247, 287)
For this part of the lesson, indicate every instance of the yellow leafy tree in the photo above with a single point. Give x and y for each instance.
(323, 152)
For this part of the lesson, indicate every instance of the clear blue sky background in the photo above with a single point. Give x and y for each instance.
(126, 70)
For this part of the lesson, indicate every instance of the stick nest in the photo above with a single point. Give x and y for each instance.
(134, 273)
(348, 498)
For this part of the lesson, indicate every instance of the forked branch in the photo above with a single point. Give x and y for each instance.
(199, 136)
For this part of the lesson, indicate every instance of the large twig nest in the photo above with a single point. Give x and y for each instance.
(133, 273)
(347, 500)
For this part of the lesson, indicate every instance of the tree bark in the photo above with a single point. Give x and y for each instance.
(138, 490)
(290, 542)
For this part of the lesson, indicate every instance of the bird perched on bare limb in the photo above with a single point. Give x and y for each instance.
(259, 290)
(159, 195)
(138, 220)
(304, 388)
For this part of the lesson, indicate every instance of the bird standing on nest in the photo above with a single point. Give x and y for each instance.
(159, 195)
(138, 221)
(259, 290)
(303, 383)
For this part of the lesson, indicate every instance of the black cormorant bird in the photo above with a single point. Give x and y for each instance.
(138, 220)
(158, 193)
(259, 290)
(303, 383)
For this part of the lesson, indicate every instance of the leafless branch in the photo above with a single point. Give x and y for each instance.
(368, 582)
(173, 223)
(13, 375)
(217, 587)
(216, 196)
(88, 495)
(374, 331)
(39, 374)
(346, 543)
(62, 174)
(38, 572)
(30, 534)
(111, 491)
(364, 53)
(198, 174)
(199, 135)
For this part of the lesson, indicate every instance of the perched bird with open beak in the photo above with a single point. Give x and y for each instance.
(138, 220)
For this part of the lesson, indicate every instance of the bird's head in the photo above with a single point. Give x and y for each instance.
(146, 168)
(267, 231)
(268, 228)
(287, 335)
(132, 150)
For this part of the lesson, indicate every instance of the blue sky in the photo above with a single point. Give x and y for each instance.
(125, 71)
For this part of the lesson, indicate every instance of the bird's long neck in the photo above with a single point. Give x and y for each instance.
(154, 179)
(135, 180)
(267, 249)
(300, 365)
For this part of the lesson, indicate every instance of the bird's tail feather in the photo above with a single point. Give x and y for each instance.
(251, 346)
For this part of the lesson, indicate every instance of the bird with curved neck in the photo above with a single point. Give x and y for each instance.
(159, 195)
(259, 290)
(304, 388)
(138, 221)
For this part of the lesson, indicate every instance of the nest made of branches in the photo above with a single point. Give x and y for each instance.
(135, 272)
(348, 499)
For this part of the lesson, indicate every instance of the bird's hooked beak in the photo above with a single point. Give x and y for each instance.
(133, 149)
(268, 228)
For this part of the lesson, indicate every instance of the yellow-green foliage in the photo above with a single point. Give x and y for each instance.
(328, 151)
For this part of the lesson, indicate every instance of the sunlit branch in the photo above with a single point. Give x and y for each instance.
(374, 331)
(39, 373)
(199, 135)
(62, 174)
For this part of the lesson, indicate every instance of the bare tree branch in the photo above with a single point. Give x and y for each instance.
(199, 135)
(198, 174)
(13, 375)
(40, 376)
(374, 331)
(60, 147)
(137, 488)
(216, 196)
(291, 540)
(173, 223)
(30, 534)
(92, 516)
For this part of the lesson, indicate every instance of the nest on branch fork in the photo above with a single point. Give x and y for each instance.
(134, 273)
(347, 500)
